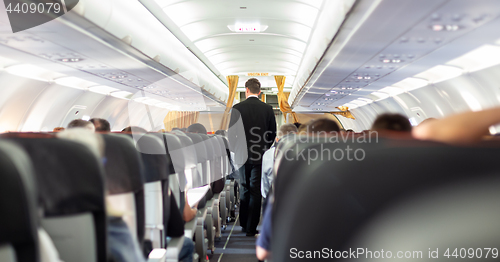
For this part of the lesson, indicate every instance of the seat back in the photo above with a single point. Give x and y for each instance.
(202, 153)
(179, 163)
(361, 195)
(156, 167)
(125, 181)
(70, 183)
(19, 221)
(218, 177)
(191, 161)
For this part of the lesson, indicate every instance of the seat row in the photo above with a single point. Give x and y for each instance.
(398, 198)
(148, 175)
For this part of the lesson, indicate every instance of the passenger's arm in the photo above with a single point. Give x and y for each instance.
(460, 128)
(261, 253)
(189, 213)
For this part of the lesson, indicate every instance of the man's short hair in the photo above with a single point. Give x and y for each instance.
(101, 125)
(197, 128)
(58, 129)
(253, 85)
(392, 122)
(287, 129)
(79, 123)
(134, 129)
(323, 125)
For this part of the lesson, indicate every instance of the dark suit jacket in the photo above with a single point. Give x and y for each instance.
(259, 124)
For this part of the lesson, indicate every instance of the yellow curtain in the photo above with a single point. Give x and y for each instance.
(180, 119)
(232, 84)
(283, 99)
(344, 112)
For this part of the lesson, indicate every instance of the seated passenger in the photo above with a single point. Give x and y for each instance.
(461, 128)
(322, 126)
(188, 214)
(134, 129)
(197, 128)
(221, 133)
(122, 246)
(268, 162)
(101, 125)
(392, 122)
(58, 129)
(263, 245)
(80, 123)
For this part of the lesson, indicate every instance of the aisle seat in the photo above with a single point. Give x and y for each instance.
(403, 194)
(70, 183)
(18, 202)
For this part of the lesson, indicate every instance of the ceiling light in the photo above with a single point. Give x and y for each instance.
(151, 101)
(74, 82)
(105, 90)
(380, 95)
(32, 72)
(411, 83)
(247, 28)
(392, 91)
(440, 73)
(70, 60)
(437, 27)
(480, 58)
(122, 94)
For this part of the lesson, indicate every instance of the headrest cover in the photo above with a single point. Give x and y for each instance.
(154, 157)
(69, 176)
(124, 168)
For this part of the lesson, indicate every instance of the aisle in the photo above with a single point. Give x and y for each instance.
(234, 245)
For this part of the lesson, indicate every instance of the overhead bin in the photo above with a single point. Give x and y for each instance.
(152, 38)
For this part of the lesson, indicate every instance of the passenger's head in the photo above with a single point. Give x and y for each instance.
(58, 129)
(221, 132)
(101, 125)
(183, 129)
(134, 129)
(297, 125)
(80, 123)
(252, 87)
(286, 129)
(175, 128)
(303, 128)
(322, 126)
(197, 128)
(93, 141)
(392, 122)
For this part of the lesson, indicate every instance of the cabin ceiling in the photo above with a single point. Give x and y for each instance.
(390, 47)
(286, 27)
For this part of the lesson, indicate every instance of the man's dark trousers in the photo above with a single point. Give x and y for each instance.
(250, 196)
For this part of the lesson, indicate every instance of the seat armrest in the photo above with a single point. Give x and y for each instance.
(174, 248)
(189, 228)
(158, 255)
